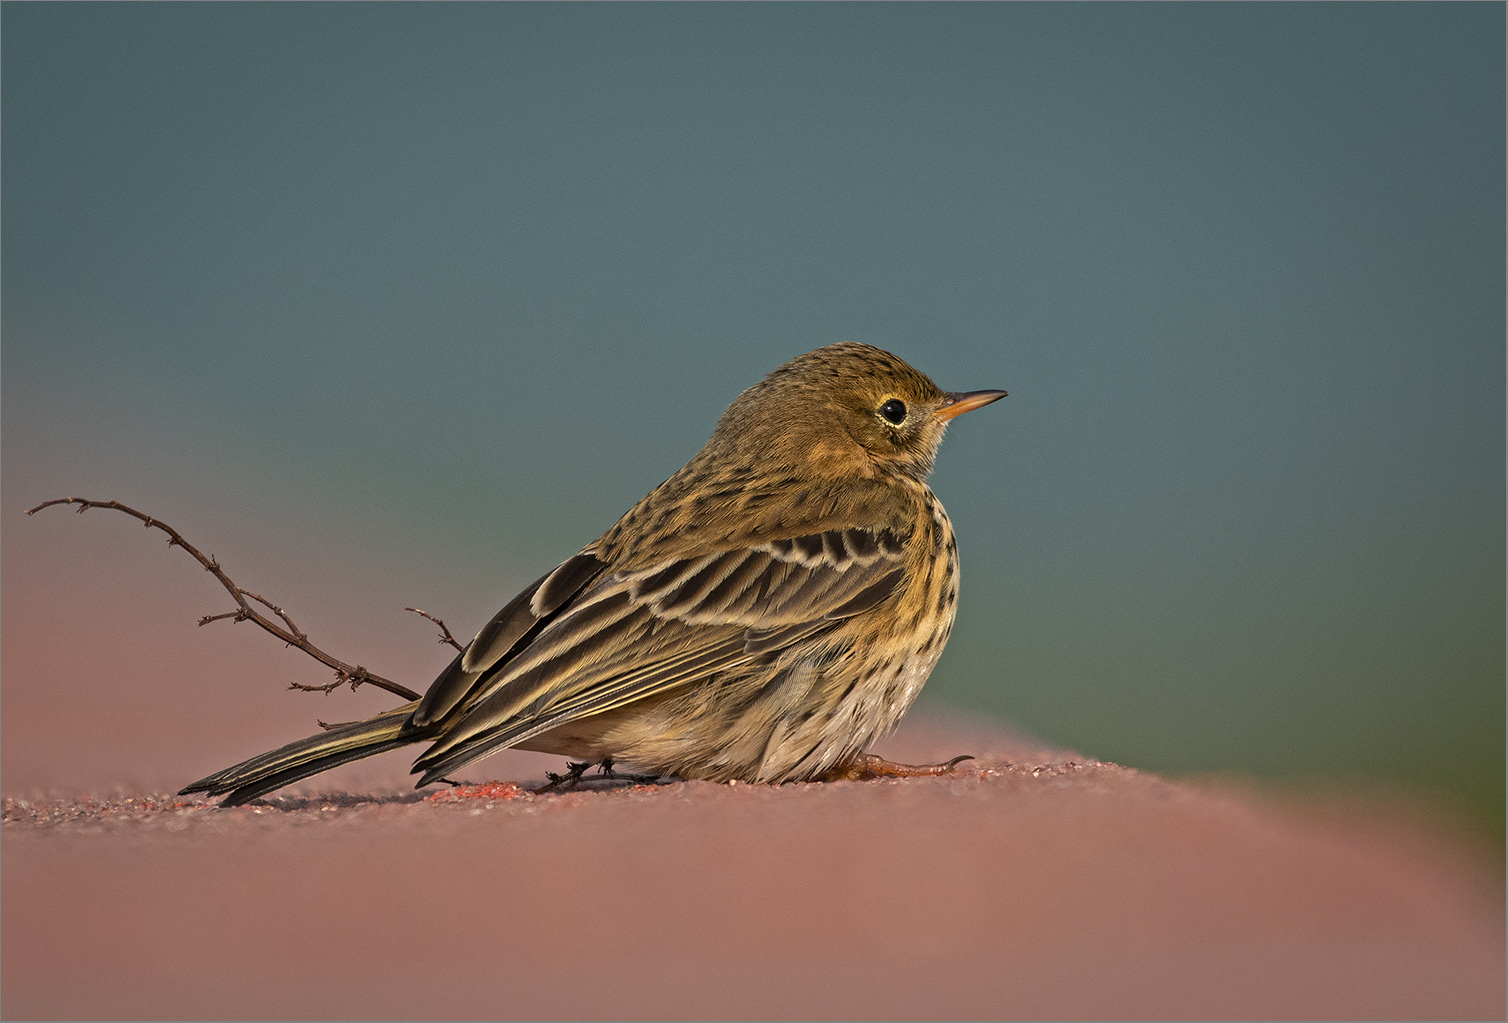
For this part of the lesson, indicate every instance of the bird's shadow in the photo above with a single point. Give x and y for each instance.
(482, 791)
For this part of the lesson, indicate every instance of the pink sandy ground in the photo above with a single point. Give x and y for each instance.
(1034, 884)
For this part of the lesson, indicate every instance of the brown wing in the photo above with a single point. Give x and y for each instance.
(509, 629)
(550, 658)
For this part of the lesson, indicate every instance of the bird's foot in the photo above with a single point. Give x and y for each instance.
(574, 770)
(605, 772)
(867, 767)
(576, 774)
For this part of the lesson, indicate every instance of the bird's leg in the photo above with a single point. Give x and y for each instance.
(867, 767)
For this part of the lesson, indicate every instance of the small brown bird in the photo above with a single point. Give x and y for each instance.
(763, 615)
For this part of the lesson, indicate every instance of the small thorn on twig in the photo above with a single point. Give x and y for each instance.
(445, 636)
(287, 631)
(237, 615)
(326, 688)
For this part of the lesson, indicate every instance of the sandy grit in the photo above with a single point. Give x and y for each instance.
(1034, 884)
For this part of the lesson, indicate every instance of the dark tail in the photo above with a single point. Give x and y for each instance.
(298, 760)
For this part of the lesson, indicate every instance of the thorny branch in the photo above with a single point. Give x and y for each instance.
(445, 636)
(283, 627)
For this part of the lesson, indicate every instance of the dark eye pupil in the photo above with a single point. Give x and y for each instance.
(894, 410)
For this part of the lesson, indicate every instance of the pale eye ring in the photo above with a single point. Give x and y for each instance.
(893, 411)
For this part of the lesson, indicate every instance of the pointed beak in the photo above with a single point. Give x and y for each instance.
(960, 402)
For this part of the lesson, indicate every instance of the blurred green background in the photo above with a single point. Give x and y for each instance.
(462, 282)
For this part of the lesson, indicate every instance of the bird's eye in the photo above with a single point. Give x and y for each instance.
(894, 411)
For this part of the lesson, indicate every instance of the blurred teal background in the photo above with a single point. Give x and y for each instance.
(459, 283)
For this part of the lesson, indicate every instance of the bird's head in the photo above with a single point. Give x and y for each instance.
(843, 410)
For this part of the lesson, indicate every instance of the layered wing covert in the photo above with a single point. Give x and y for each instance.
(625, 636)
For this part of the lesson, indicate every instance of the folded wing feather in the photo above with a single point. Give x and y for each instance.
(584, 639)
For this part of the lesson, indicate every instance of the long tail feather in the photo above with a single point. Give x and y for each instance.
(306, 757)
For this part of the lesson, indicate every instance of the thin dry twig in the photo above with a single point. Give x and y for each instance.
(445, 636)
(283, 628)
